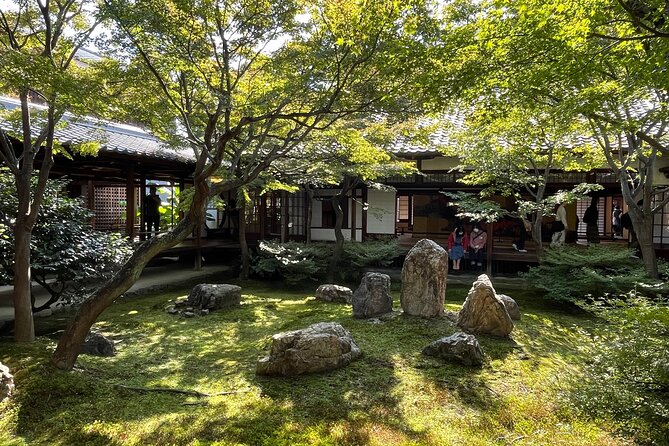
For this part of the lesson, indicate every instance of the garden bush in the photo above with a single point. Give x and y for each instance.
(298, 262)
(627, 378)
(586, 274)
(67, 254)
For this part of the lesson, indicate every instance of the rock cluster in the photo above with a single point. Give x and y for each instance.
(372, 298)
(6, 382)
(483, 311)
(424, 277)
(460, 347)
(319, 347)
(204, 298)
(334, 293)
(511, 306)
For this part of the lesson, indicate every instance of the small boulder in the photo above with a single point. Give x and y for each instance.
(483, 311)
(6, 382)
(334, 293)
(372, 297)
(511, 306)
(214, 296)
(424, 277)
(319, 347)
(459, 347)
(98, 345)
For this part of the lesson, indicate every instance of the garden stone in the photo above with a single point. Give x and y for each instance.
(214, 296)
(424, 277)
(459, 347)
(319, 347)
(6, 382)
(511, 306)
(372, 298)
(483, 311)
(188, 314)
(334, 293)
(97, 345)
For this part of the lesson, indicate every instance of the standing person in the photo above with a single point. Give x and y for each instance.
(152, 204)
(616, 221)
(477, 241)
(524, 228)
(590, 218)
(559, 228)
(458, 242)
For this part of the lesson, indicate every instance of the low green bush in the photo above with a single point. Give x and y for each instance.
(627, 377)
(298, 262)
(586, 274)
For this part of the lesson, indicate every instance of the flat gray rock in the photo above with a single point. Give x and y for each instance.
(372, 298)
(334, 293)
(424, 277)
(98, 345)
(319, 347)
(484, 312)
(460, 347)
(214, 296)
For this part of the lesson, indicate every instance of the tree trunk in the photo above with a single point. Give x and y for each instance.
(243, 244)
(643, 227)
(536, 236)
(24, 329)
(339, 237)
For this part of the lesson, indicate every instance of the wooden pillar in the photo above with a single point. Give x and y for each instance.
(198, 247)
(130, 204)
(491, 229)
(90, 199)
(262, 214)
(354, 206)
(284, 216)
(142, 195)
(365, 204)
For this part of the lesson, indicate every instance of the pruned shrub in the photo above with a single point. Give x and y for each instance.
(298, 262)
(586, 274)
(67, 255)
(627, 377)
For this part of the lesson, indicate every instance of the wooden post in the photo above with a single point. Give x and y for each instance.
(130, 204)
(284, 216)
(142, 195)
(365, 203)
(491, 230)
(90, 198)
(353, 213)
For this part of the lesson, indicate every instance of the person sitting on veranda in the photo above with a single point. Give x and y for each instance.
(559, 227)
(477, 241)
(152, 204)
(458, 242)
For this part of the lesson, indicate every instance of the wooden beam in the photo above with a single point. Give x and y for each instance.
(130, 204)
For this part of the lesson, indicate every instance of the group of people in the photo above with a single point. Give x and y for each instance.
(460, 243)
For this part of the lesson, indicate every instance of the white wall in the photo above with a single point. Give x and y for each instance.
(381, 212)
(660, 178)
(440, 163)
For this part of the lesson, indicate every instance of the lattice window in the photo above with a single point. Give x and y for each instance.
(110, 205)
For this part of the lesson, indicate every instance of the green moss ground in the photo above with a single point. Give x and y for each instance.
(393, 395)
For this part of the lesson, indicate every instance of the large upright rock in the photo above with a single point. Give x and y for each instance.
(483, 311)
(459, 347)
(319, 347)
(214, 296)
(6, 382)
(424, 277)
(372, 298)
(334, 293)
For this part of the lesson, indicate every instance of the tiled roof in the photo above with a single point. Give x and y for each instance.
(114, 137)
(440, 138)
